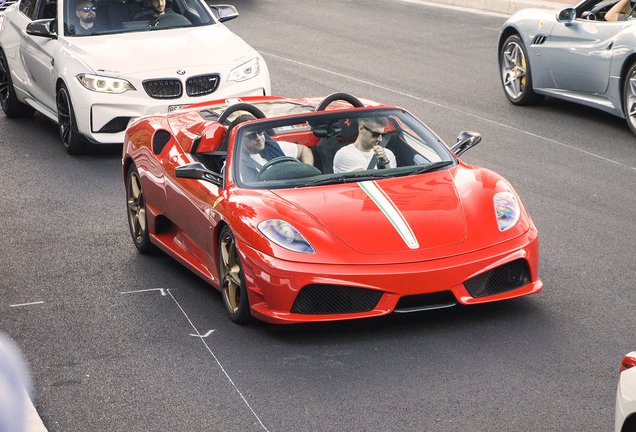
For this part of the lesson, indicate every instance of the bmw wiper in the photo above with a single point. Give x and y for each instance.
(348, 178)
(431, 167)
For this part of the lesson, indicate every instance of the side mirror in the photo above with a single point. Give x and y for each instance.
(466, 140)
(224, 12)
(42, 28)
(566, 15)
(198, 171)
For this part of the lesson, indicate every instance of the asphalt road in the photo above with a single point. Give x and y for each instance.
(119, 341)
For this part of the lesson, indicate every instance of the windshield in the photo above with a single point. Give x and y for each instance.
(335, 147)
(86, 17)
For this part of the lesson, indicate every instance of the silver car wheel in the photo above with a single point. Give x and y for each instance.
(513, 70)
(630, 99)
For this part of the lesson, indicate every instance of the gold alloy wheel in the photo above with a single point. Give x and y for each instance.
(230, 273)
(136, 208)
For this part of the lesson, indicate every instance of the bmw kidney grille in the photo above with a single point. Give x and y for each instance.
(172, 88)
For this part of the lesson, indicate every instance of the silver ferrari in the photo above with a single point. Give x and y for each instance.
(572, 54)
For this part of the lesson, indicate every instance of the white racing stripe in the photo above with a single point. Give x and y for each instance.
(391, 212)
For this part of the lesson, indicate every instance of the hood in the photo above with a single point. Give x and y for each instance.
(136, 53)
(403, 214)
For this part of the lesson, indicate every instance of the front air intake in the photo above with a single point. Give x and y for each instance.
(159, 141)
(499, 280)
(319, 299)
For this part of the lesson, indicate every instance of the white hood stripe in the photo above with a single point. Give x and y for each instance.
(391, 212)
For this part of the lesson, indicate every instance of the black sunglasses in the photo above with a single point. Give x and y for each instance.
(375, 134)
(252, 136)
(88, 8)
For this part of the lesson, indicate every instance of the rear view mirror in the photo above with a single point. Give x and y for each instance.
(567, 15)
(224, 12)
(466, 140)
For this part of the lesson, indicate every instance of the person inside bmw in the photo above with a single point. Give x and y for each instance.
(86, 11)
(365, 152)
(157, 9)
(258, 149)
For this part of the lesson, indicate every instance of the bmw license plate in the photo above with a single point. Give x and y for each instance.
(176, 107)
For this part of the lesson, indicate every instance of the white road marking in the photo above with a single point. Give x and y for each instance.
(163, 291)
(217, 360)
(450, 109)
(26, 304)
(203, 336)
(459, 8)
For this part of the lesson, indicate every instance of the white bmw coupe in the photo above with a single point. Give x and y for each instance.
(92, 66)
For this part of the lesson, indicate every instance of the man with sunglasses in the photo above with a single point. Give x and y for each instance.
(86, 11)
(258, 149)
(366, 149)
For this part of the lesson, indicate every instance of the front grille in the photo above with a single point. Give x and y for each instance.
(335, 299)
(502, 279)
(421, 302)
(160, 140)
(168, 88)
(202, 85)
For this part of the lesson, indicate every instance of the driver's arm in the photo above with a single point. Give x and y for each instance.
(621, 7)
(305, 155)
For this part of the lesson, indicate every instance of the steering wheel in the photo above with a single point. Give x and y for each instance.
(240, 107)
(168, 20)
(275, 161)
(339, 96)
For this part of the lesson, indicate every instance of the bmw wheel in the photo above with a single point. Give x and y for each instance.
(11, 106)
(66, 122)
(137, 218)
(629, 97)
(515, 72)
(233, 287)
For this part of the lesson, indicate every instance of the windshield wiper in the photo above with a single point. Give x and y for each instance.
(348, 178)
(431, 167)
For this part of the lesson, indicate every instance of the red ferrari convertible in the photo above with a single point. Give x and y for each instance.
(325, 209)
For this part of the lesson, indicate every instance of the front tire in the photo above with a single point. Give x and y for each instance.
(137, 218)
(515, 72)
(71, 138)
(233, 289)
(11, 106)
(629, 98)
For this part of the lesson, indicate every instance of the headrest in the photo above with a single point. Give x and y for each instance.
(210, 139)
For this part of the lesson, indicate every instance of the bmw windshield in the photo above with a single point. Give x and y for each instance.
(86, 17)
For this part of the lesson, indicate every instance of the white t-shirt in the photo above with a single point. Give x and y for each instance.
(288, 148)
(349, 158)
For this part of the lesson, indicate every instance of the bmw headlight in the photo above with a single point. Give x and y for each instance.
(104, 84)
(285, 235)
(507, 210)
(245, 71)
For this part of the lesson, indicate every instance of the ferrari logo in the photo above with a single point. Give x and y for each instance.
(541, 25)
(218, 200)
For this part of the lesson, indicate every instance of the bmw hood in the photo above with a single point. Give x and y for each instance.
(149, 53)
(388, 216)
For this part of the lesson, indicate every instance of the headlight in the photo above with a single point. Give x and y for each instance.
(245, 71)
(506, 210)
(285, 235)
(104, 84)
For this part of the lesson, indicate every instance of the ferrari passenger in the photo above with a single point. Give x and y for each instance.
(366, 152)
